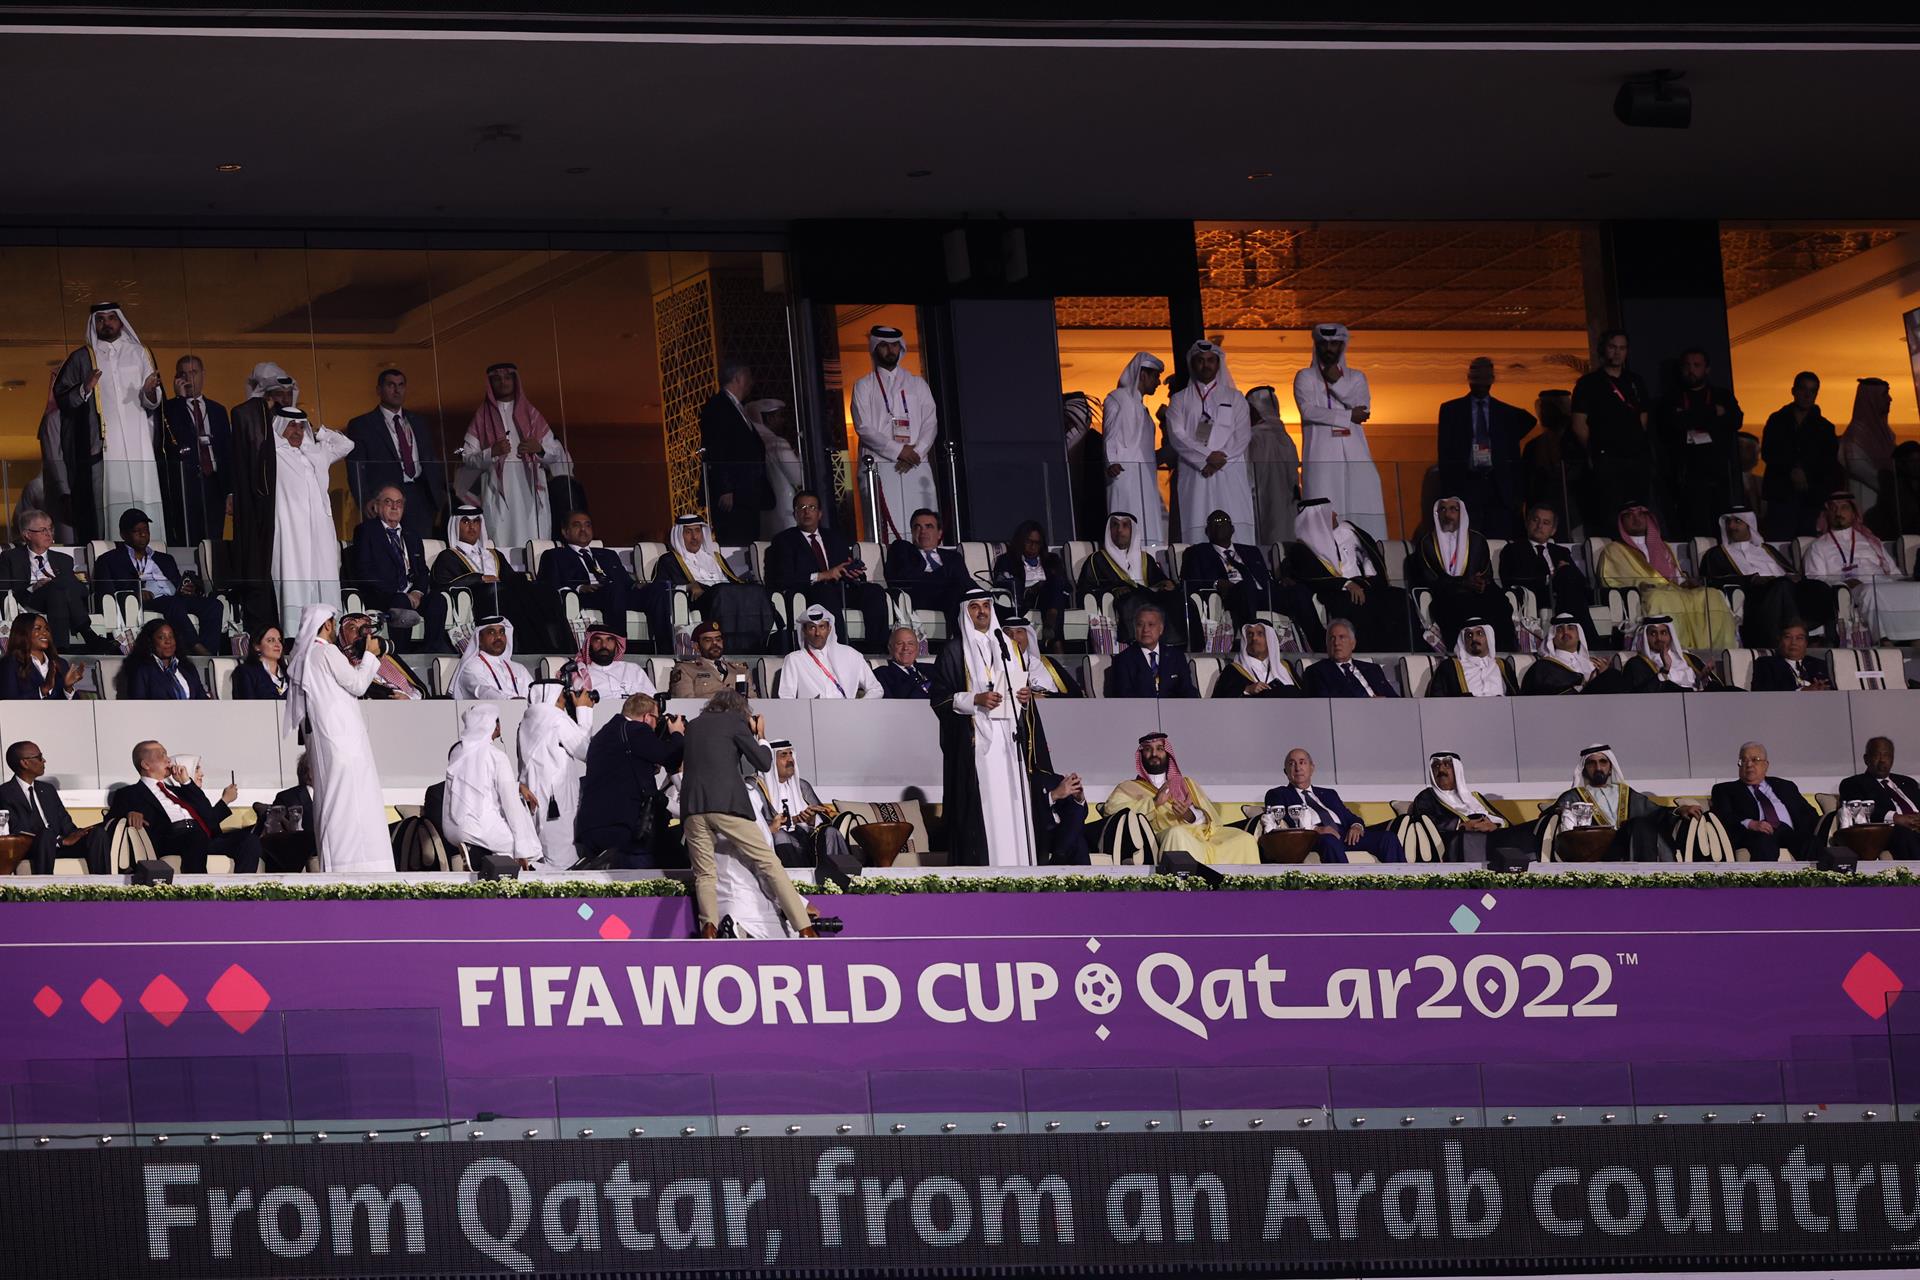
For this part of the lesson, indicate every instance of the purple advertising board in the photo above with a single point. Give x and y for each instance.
(582, 988)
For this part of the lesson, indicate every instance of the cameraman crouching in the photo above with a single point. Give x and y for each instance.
(622, 823)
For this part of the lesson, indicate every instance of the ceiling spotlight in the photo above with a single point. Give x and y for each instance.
(919, 173)
(1259, 175)
(1656, 100)
(228, 167)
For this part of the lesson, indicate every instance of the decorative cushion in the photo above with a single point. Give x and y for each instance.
(1127, 839)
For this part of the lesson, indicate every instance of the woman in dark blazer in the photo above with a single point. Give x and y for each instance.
(263, 676)
(33, 669)
(1037, 579)
(154, 671)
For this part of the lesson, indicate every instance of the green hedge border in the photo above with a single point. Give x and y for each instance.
(293, 891)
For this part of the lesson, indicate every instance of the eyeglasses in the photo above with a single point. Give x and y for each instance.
(35, 756)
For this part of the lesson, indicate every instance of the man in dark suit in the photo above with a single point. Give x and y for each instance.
(1765, 816)
(1340, 674)
(392, 446)
(292, 850)
(602, 582)
(1239, 573)
(1697, 428)
(42, 580)
(1480, 452)
(387, 564)
(735, 459)
(933, 575)
(725, 743)
(903, 675)
(198, 440)
(1895, 796)
(818, 562)
(617, 794)
(178, 817)
(35, 809)
(1788, 668)
(1150, 669)
(134, 566)
(1340, 828)
(1546, 568)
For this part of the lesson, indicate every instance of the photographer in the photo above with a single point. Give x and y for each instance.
(724, 738)
(392, 677)
(554, 733)
(622, 820)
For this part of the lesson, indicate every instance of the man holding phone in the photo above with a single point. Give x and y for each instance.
(168, 804)
(199, 443)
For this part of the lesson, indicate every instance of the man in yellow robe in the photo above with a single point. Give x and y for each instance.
(1181, 815)
(1641, 558)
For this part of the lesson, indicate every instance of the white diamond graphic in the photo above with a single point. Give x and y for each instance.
(1093, 945)
(1487, 900)
(1490, 986)
(1102, 1031)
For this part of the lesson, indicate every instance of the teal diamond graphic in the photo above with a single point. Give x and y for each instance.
(586, 912)
(1463, 920)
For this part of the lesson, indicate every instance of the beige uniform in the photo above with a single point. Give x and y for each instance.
(703, 677)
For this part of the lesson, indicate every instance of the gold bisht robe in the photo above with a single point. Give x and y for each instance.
(1701, 618)
(1208, 839)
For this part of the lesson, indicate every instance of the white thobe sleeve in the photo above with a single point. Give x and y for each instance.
(1233, 430)
(472, 454)
(925, 416)
(1310, 398)
(556, 459)
(506, 787)
(871, 421)
(1822, 560)
(353, 677)
(1183, 426)
(577, 734)
(1119, 429)
(790, 677)
(869, 683)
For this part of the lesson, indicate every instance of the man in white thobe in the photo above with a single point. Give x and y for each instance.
(599, 669)
(1335, 403)
(487, 671)
(306, 543)
(1847, 553)
(108, 392)
(484, 807)
(1127, 431)
(324, 687)
(894, 416)
(553, 739)
(772, 421)
(512, 450)
(822, 667)
(1209, 426)
(983, 699)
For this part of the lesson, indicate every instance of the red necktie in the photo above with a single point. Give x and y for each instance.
(200, 435)
(403, 438)
(193, 813)
(819, 552)
(1900, 802)
(1769, 810)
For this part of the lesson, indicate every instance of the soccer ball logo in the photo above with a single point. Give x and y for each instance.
(1098, 989)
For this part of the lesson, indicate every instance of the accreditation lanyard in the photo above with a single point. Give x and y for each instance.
(827, 673)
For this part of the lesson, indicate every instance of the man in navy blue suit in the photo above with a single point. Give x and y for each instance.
(133, 565)
(622, 817)
(903, 675)
(820, 563)
(1340, 674)
(1150, 669)
(933, 575)
(602, 582)
(1240, 574)
(1340, 828)
(388, 565)
(394, 447)
(1480, 453)
(198, 442)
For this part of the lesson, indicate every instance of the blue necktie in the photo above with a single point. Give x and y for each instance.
(1482, 438)
(173, 680)
(1153, 665)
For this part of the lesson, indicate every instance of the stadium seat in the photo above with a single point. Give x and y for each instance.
(1206, 672)
(874, 557)
(1416, 673)
(770, 668)
(1396, 553)
(1097, 664)
(1740, 666)
(224, 669)
(1420, 838)
(1883, 668)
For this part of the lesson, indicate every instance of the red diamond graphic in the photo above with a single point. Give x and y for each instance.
(164, 999)
(238, 998)
(100, 1000)
(1871, 985)
(614, 929)
(47, 1001)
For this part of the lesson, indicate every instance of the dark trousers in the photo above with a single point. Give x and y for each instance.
(196, 620)
(871, 602)
(616, 600)
(626, 853)
(432, 608)
(64, 603)
(1486, 510)
(799, 849)
(1452, 606)
(1067, 844)
(1378, 841)
(739, 527)
(1763, 846)
(186, 841)
(93, 848)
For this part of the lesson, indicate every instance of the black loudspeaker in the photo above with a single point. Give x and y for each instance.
(152, 871)
(1654, 101)
(836, 869)
(1837, 857)
(496, 866)
(1178, 862)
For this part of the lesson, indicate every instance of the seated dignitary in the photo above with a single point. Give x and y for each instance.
(1178, 809)
(824, 566)
(1036, 578)
(709, 670)
(1848, 553)
(1462, 815)
(1340, 828)
(1659, 665)
(1257, 670)
(1451, 560)
(1044, 676)
(799, 821)
(822, 667)
(1239, 573)
(932, 575)
(32, 669)
(487, 669)
(262, 674)
(1346, 570)
(600, 669)
(486, 808)
(1641, 824)
(34, 808)
(622, 821)
(1774, 592)
(42, 580)
(903, 675)
(1895, 796)
(1124, 567)
(1788, 668)
(1475, 670)
(1546, 568)
(1640, 558)
(471, 563)
(1341, 675)
(388, 566)
(153, 669)
(743, 609)
(178, 817)
(596, 575)
(1565, 666)
(552, 745)
(133, 566)
(1148, 668)
(293, 847)
(1768, 817)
